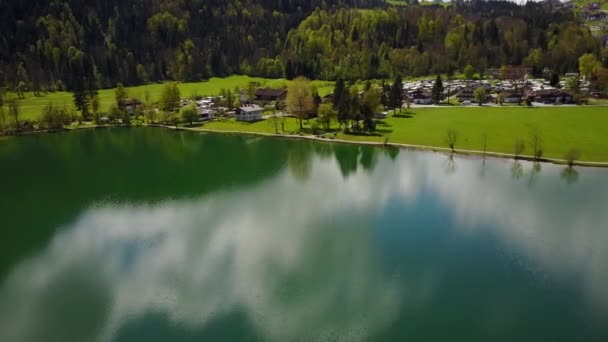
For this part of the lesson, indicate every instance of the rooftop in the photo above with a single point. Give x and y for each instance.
(250, 108)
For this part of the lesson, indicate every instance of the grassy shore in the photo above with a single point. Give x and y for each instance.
(561, 128)
(31, 106)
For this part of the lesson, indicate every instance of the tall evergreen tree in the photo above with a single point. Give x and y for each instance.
(344, 108)
(437, 91)
(396, 93)
(338, 91)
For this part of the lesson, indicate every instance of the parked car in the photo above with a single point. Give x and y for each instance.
(466, 103)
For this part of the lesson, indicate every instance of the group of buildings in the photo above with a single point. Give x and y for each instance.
(250, 110)
(511, 83)
(513, 91)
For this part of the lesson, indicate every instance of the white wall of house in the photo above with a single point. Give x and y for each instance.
(423, 101)
(249, 116)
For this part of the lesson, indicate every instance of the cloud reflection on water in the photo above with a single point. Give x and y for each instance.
(295, 253)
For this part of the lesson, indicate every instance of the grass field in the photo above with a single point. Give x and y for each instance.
(31, 106)
(562, 128)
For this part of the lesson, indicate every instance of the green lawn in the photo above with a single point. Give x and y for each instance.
(31, 106)
(264, 126)
(562, 128)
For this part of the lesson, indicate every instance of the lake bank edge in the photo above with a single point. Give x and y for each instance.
(413, 147)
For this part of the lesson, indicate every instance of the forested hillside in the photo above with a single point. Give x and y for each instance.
(134, 41)
(423, 40)
(79, 44)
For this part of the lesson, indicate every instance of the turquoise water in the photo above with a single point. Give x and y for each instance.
(156, 235)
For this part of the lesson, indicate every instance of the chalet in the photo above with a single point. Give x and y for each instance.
(265, 95)
(251, 112)
(130, 105)
(550, 96)
(206, 113)
(421, 97)
(512, 97)
(465, 94)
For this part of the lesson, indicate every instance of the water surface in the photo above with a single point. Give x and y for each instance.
(156, 235)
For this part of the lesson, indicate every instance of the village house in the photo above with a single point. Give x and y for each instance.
(512, 97)
(267, 95)
(130, 105)
(465, 94)
(550, 96)
(250, 112)
(421, 97)
(206, 114)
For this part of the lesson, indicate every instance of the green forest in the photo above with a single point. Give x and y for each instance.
(76, 45)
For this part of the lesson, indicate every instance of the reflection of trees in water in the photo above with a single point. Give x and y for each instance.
(347, 157)
(517, 170)
(482, 171)
(391, 151)
(450, 164)
(299, 160)
(570, 175)
(324, 150)
(369, 157)
(534, 173)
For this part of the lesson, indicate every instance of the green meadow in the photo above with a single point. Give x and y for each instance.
(561, 128)
(31, 106)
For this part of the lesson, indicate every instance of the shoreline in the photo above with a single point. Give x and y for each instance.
(462, 152)
(413, 147)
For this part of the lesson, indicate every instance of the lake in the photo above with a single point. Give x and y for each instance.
(148, 234)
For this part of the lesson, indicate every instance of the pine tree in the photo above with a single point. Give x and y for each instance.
(437, 92)
(395, 97)
(338, 90)
(344, 107)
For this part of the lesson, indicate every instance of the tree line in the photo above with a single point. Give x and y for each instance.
(57, 44)
(82, 46)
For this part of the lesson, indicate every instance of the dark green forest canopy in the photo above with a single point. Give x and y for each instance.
(79, 44)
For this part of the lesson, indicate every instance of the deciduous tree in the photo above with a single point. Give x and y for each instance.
(468, 72)
(189, 113)
(480, 95)
(327, 114)
(13, 110)
(299, 98)
(170, 97)
(452, 138)
(120, 93)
